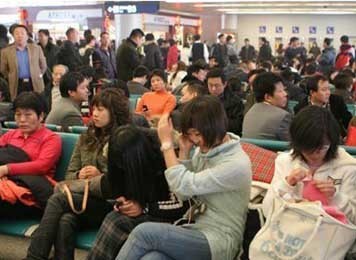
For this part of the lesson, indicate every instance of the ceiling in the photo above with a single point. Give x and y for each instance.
(221, 7)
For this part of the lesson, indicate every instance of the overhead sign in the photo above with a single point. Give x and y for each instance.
(262, 29)
(295, 29)
(312, 29)
(279, 29)
(330, 30)
(131, 7)
(68, 15)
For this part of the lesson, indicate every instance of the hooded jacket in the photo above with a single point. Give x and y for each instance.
(342, 170)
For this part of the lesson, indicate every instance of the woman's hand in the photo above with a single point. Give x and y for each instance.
(165, 129)
(326, 187)
(129, 208)
(185, 145)
(88, 172)
(296, 176)
(4, 170)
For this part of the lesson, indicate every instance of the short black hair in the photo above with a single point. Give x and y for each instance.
(255, 72)
(311, 68)
(246, 40)
(69, 31)
(3, 31)
(228, 38)
(69, 82)
(266, 65)
(44, 31)
(12, 27)
(221, 35)
(136, 32)
(195, 68)
(196, 37)
(293, 39)
(20, 26)
(263, 39)
(328, 41)
(313, 83)
(149, 37)
(159, 73)
(317, 125)
(196, 87)
(216, 73)
(30, 100)
(89, 38)
(207, 115)
(265, 83)
(344, 39)
(172, 42)
(342, 81)
(87, 72)
(141, 71)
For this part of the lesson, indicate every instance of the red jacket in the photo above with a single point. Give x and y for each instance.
(172, 56)
(44, 148)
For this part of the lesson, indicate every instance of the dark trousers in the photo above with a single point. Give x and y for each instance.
(18, 211)
(24, 85)
(59, 224)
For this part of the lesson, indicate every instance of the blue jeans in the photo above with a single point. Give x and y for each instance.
(157, 241)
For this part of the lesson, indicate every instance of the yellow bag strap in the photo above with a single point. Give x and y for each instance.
(70, 197)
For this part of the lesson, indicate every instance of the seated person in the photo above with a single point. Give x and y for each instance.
(190, 90)
(136, 170)
(343, 86)
(136, 86)
(52, 93)
(89, 160)
(316, 161)
(158, 102)
(267, 119)
(217, 86)
(217, 178)
(74, 90)
(42, 148)
(319, 95)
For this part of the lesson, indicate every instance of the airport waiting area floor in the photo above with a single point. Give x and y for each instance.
(14, 248)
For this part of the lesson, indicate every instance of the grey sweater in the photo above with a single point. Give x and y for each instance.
(221, 180)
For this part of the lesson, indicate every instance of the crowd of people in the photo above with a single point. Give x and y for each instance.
(177, 158)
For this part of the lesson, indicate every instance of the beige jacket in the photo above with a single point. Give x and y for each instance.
(8, 67)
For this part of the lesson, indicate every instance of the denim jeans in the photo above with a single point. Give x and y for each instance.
(158, 241)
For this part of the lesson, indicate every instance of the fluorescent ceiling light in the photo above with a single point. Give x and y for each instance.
(278, 4)
(260, 1)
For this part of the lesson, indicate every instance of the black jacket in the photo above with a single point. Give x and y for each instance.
(127, 59)
(69, 55)
(247, 53)
(265, 53)
(153, 59)
(337, 107)
(50, 52)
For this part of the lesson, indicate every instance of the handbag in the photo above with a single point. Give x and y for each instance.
(86, 187)
(301, 231)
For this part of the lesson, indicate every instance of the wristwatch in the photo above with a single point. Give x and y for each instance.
(166, 146)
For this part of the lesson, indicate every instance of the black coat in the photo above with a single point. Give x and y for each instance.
(265, 53)
(50, 52)
(153, 59)
(127, 59)
(69, 55)
(337, 107)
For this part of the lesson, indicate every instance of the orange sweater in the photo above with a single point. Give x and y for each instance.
(157, 103)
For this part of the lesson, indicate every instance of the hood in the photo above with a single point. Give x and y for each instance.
(345, 47)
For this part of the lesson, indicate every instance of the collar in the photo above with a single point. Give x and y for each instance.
(131, 41)
(25, 49)
(36, 135)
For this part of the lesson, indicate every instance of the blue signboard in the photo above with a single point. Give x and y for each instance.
(295, 29)
(113, 8)
(279, 29)
(330, 30)
(263, 29)
(312, 29)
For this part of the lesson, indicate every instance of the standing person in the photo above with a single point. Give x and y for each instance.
(327, 58)
(4, 40)
(164, 47)
(89, 160)
(248, 52)
(265, 53)
(69, 54)
(23, 64)
(153, 57)
(232, 50)
(104, 57)
(219, 51)
(315, 50)
(173, 54)
(346, 54)
(49, 49)
(293, 51)
(127, 56)
(198, 50)
(217, 177)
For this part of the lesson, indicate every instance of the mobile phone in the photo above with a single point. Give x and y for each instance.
(119, 203)
(144, 108)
